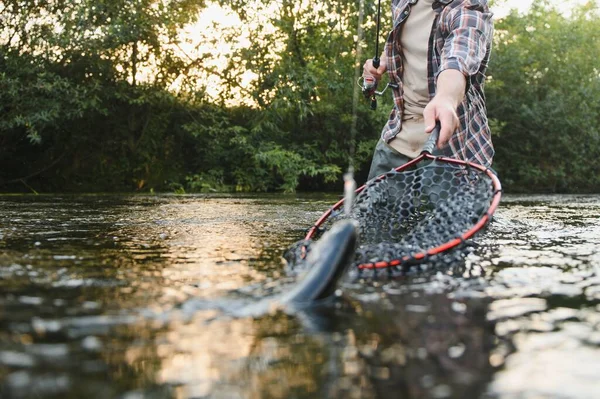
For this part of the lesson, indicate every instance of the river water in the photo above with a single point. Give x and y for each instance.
(140, 297)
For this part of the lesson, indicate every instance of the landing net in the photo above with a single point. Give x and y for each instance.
(411, 214)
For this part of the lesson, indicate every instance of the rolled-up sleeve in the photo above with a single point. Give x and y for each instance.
(467, 31)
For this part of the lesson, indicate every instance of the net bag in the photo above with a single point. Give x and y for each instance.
(423, 209)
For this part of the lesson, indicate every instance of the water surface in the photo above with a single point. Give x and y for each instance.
(143, 296)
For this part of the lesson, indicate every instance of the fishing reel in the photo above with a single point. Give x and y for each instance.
(368, 85)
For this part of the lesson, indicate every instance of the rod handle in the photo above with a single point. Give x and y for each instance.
(376, 62)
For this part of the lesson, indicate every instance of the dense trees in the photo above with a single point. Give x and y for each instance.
(77, 111)
(103, 96)
(544, 95)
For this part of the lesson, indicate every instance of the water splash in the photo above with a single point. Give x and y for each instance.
(349, 192)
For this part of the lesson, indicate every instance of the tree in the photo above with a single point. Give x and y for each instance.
(303, 57)
(84, 88)
(543, 96)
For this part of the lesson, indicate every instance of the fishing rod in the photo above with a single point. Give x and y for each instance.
(368, 84)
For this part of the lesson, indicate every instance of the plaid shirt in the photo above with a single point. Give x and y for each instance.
(460, 39)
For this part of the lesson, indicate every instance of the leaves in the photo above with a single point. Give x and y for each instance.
(543, 92)
(99, 95)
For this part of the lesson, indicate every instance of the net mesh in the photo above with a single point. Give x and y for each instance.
(407, 213)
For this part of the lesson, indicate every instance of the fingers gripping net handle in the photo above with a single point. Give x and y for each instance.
(424, 208)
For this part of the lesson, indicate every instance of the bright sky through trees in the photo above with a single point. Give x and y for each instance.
(205, 38)
(504, 6)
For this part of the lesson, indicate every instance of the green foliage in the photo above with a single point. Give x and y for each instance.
(303, 93)
(73, 85)
(543, 96)
(98, 96)
(289, 166)
(70, 85)
(212, 181)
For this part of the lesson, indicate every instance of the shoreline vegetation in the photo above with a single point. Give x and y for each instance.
(107, 98)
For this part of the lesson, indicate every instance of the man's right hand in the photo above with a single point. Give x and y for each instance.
(377, 73)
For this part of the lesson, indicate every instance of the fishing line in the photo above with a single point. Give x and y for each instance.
(349, 182)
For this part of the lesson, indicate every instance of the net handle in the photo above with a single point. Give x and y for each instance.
(431, 142)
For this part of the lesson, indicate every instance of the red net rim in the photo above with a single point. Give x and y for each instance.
(481, 223)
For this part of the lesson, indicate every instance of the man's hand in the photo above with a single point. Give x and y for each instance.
(377, 73)
(441, 109)
(450, 92)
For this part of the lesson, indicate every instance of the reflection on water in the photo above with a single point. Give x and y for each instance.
(140, 296)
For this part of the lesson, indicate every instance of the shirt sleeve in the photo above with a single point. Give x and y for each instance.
(467, 31)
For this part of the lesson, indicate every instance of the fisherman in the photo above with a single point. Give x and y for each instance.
(437, 54)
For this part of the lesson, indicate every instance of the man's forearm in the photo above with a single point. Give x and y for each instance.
(451, 86)
(450, 91)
